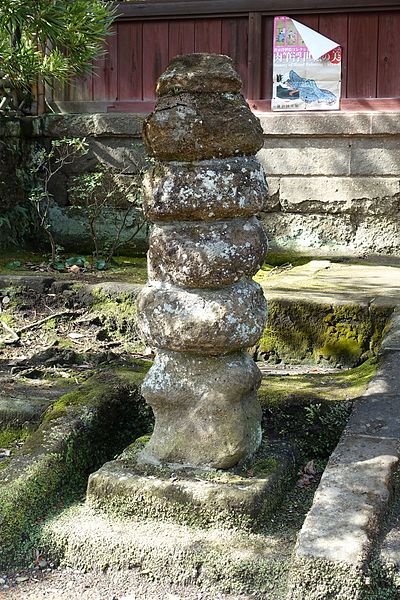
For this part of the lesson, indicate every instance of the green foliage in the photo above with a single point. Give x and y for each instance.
(15, 226)
(45, 164)
(94, 192)
(50, 40)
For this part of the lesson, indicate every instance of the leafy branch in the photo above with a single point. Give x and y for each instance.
(45, 164)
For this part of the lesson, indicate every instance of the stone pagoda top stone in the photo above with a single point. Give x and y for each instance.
(199, 73)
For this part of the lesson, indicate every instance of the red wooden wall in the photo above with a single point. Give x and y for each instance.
(140, 50)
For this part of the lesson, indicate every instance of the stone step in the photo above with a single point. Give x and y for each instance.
(220, 559)
(241, 498)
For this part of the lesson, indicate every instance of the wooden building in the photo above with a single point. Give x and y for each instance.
(148, 33)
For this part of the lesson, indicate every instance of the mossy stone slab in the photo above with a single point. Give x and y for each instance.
(18, 410)
(78, 433)
(326, 312)
(241, 498)
(215, 559)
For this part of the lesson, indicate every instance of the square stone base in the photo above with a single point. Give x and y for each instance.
(241, 498)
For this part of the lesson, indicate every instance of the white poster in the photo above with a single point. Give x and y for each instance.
(306, 70)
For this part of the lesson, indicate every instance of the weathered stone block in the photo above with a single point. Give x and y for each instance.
(379, 235)
(70, 227)
(206, 408)
(206, 190)
(375, 156)
(196, 255)
(312, 156)
(209, 322)
(92, 125)
(295, 232)
(385, 123)
(119, 155)
(339, 195)
(237, 498)
(218, 560)
(352, 494)
(317, 124)
(391, 341)
(199, 73)
(201, 126)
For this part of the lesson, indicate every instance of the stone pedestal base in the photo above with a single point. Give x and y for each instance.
(240, 498)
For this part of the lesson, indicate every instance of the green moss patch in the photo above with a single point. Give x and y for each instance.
(118, 317)
(312, 409)
(80, 432)
(342, 335)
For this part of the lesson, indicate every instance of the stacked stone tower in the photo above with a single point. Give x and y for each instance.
(201, 309)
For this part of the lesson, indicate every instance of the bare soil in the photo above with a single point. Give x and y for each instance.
(61, 584)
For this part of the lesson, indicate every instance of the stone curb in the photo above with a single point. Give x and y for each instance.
(335, 543)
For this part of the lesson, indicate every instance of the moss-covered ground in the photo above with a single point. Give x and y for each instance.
(312, 408)
(131, 269)
(308, 409)
(79, 432)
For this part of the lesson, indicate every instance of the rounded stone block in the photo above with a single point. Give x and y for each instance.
(202, 321)
(199, 73)
(205, 255)
(201, 126)
(206, 408)
(204, 190)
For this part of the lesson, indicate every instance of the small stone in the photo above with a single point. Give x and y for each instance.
(214, 321)
(2, 581)
(197, 127)
(196, 255)
(199, 73)
(21, 579)
(204, 190)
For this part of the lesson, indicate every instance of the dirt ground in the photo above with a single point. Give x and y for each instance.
(122, 585)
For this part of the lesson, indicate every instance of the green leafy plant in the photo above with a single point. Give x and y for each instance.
(93, 193)
(45, 41)
(45, 164)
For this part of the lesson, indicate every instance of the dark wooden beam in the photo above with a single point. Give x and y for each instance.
(254, 56)
(142, 9)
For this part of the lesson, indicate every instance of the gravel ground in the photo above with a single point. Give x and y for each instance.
(66, 584)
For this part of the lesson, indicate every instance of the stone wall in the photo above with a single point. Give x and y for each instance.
(13, 209)
(334, 182)
(334, 178)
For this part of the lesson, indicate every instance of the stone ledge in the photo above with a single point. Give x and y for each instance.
(217, 559)
(330, 124)
(392, 338)
(128, 125)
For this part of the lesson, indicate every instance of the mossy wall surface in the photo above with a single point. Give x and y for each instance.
(342, 334)
(79, 432)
